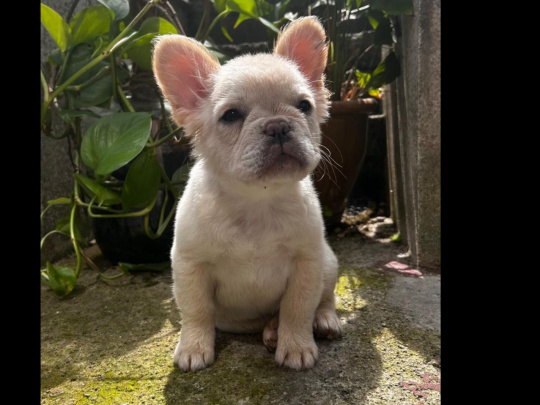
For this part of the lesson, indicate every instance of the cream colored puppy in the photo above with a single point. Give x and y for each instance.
(249, 251)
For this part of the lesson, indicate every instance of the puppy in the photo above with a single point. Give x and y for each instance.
(249, 252)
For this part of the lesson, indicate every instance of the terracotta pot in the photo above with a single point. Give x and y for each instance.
(345, 140)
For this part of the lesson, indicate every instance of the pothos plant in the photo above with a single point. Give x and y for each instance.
(351, 72)
(100, 52)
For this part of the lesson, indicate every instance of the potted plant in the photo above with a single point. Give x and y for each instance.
(124, 182)
(357, 31)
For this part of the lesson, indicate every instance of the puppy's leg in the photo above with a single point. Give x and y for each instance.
(327, 323)
(270, 334)
(296, 347)
(194, 294)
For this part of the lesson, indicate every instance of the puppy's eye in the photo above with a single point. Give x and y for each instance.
(231, 115)
(304, 106)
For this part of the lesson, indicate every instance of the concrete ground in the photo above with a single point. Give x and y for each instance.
(112, 342)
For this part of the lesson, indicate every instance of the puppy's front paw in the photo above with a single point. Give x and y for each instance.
(327, 324)
(193, 357)
(296, 353)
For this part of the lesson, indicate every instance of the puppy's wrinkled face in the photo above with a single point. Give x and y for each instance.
(262, 120)
(256, 118)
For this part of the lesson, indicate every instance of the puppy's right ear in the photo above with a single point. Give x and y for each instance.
(182, 67)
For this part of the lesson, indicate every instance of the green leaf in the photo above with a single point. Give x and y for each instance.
(362, 78)
(140, 51)
(180, 177)
(90, 23)
(114, 140)
(268, 24)
(386, 72)
(220, 5)
(141, 48)
(95, 94)
(62, 225)
(55, 57)
(56, 26)
(120, 8)
(353, 4)
(225, 32)
(241, 18)
(247, 7)
(61, 279)
(142, 181)
(375, 17)
(383, 33)
(393, 7)
(94, 189)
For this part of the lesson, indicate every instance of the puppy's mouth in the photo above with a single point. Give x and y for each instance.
(282, 157)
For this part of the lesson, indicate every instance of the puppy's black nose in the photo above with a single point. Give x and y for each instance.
(277, 129)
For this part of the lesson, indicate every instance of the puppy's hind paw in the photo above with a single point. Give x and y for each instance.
(327, 324)
(270, 334)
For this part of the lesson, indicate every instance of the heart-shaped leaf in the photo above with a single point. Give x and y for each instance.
(90, 23)
(120, 8)
(114, 140)
(142, 181)
(141, 48)
(56, 26)
(61, 279)
(94, 189)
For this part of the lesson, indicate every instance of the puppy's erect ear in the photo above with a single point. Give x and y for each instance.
(304, 42)
(182, 67)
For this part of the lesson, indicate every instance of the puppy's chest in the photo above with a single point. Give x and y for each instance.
(252, 276)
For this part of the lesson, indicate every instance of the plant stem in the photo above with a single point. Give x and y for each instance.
(168, 183)
(164, 139)
(101, 74)
(114, 79)
(164, 112)
(122, 215)
(204, 19)
(45, 88)
(49, 234)
(124, 99)
(161, 227)
(170, 12)
(104, 54)
(207, 32)
(96, 268)
(74, 239)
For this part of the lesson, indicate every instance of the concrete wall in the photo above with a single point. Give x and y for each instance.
(56, 170)
(412, 105)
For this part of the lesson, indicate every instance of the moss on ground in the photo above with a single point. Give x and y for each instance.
(112, 343)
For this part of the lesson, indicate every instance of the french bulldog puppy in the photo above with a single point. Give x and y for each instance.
(249, 252)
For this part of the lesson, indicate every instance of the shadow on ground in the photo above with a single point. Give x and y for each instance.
(112, 343)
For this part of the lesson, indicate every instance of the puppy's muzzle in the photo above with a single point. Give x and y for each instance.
(277, 129)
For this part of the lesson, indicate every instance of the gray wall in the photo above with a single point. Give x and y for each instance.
(56, 170)
(412, 105)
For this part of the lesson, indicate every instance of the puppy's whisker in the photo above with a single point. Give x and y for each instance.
(329, 163)
(337, 148)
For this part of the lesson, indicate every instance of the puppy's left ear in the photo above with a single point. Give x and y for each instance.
(304, 42)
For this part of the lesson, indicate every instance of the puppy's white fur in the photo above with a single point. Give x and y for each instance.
(249, 252)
